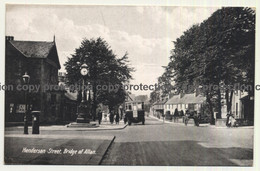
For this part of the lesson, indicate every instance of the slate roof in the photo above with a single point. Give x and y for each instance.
(33, 49)
(130, 97)
(160, 102)
(134, 101)
(186, 99)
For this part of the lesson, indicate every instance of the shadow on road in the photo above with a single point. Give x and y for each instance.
(173, 153)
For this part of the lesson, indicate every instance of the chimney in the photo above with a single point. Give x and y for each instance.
(9, 38)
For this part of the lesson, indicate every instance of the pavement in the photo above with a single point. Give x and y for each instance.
(155, 143)
(21, 149)
(105, 125)
(200, 125)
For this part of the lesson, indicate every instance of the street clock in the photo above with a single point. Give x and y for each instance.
(84, 71)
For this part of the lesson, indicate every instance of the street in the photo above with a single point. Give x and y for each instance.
(170, 144)
(155, 143)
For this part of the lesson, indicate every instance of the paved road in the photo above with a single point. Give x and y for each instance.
(172, 144)
(157, 143)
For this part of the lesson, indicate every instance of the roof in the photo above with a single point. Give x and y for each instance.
(33, 49)
(135, 101)
(160, 102)
(186, 99)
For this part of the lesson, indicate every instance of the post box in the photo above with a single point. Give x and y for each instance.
(36, 122)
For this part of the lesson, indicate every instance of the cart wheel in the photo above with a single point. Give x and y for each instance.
(129, 123)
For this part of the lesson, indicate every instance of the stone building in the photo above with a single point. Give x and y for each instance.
(40, 60)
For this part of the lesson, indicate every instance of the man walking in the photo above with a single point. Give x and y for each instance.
(99, 116)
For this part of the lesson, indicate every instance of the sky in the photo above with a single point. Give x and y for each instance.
(145, 32)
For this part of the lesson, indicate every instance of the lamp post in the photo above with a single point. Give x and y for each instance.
(26, 80)
(83, 115)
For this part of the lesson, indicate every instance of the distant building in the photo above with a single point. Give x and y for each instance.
(158, 108)
(40, 60)
(181, 101)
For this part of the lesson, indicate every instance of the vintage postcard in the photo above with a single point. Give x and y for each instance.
(129, 85)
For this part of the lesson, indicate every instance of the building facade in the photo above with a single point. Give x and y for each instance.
(41, 62)
(181, 101)
(242, 109)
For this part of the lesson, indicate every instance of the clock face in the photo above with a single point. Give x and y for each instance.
(84, 71)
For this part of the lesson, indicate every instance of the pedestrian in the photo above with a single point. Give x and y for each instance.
(228, 122)
(121, 113)
(125, 117)
(111, 116)
(117, 118)
(196, 120)
(186, 118)
(176, 115)
(99, 116)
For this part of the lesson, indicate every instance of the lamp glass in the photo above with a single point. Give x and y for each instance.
(26, 78)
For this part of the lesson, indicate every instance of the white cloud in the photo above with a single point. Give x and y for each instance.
(148, 46)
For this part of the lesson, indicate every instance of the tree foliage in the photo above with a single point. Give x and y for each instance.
(220, 50)
(105, 68)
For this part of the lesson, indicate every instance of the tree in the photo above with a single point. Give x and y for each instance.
(104, 69)
(154, 96)
(231, 33)
(218, 51)
(165, 82)
(112, 99)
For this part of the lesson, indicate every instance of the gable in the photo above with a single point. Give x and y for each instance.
(37, 49)
(32, 49)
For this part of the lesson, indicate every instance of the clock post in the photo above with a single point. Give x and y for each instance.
(83, 115)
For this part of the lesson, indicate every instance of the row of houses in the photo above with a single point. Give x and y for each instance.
(181, 102)
(242, 106)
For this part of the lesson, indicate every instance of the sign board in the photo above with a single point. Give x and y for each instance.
(20, 108)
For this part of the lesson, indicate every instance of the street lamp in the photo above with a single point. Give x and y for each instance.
(26, 79)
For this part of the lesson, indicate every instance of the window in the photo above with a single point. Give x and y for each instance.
(139, 105)
(130, 107)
